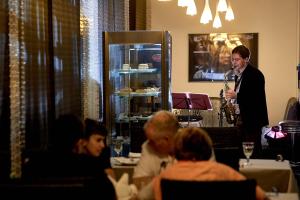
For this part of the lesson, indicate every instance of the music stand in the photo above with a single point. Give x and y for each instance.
(191, 102)
(180, 101)
(199, 101)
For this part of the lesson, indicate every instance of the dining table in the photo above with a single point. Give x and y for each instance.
(271, 175)
(282, 196)
(121, 165)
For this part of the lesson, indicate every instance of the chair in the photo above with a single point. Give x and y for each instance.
(49, 188)
(210, 190)
(292, 109)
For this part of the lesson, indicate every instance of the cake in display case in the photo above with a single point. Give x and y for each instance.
(137, 76)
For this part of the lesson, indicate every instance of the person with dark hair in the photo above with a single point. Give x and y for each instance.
(93, 144)
(68, 130)
(193, 149)
(249, 98)
(62, 161)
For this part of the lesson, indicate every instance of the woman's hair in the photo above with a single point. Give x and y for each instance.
(192, 144)
(68, 129)
(94, 127)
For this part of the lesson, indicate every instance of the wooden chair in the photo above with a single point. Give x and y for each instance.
(210, 190)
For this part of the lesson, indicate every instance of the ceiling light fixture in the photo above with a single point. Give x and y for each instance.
(206, 16)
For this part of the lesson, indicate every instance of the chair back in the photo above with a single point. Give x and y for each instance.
(210, 190)
(49, 188)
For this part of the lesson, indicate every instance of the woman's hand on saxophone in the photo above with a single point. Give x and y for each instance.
(230, 94)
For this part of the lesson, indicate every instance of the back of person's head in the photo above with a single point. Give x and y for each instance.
(94, 127)
(192, 144)
(242, 50)
(68, 129)
(163, 122)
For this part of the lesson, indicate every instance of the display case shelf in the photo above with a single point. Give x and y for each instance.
(137, 94)
(135, 71)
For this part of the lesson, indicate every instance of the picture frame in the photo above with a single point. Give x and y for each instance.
(210, 54)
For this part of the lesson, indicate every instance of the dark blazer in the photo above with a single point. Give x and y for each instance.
(252, 99)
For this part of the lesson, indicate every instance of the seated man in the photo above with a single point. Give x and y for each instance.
(157, 151)
(193, 149)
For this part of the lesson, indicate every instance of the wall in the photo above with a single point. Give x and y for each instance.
(276, 22)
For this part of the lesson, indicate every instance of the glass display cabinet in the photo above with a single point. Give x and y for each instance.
(137, 74)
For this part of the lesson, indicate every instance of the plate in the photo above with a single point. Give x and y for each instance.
(125, 161)
(134, 155)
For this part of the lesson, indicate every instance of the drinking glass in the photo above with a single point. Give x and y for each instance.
(118, 145)
(248, 150)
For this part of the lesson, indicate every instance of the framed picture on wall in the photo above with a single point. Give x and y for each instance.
(210, 54)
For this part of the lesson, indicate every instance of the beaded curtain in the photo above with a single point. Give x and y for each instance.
(96, 17)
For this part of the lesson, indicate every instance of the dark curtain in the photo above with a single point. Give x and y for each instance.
(137, 12)
(38, 78)
(4, 91)
(52, 66)
(66, 58)
(111, 18)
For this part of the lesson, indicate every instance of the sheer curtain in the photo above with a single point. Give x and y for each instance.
(52, 66)
(96, 17)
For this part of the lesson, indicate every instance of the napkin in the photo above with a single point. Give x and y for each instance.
(124, 190)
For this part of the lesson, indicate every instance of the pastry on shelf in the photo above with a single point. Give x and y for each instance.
(125, 66)
(140, 91)
(125, 90)
(152, 89)
(143, 66)
(123, 116)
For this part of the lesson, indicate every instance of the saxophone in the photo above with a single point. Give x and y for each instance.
(227, 106)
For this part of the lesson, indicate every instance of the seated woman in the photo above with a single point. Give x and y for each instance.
(61, 162)
(193, 148)
(93, 144)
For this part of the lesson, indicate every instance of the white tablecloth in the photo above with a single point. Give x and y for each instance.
(119, 169)
(283, 196)
(270, 174)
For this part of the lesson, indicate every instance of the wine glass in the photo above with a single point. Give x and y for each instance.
(248, 150)
(118, 145)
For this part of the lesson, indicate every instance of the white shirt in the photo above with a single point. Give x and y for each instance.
(150, 163)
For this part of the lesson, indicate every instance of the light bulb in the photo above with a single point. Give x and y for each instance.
(182, 3)
(217, 21)
(222, 6)
(206, 14)
(229, 13)
(191, 9)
